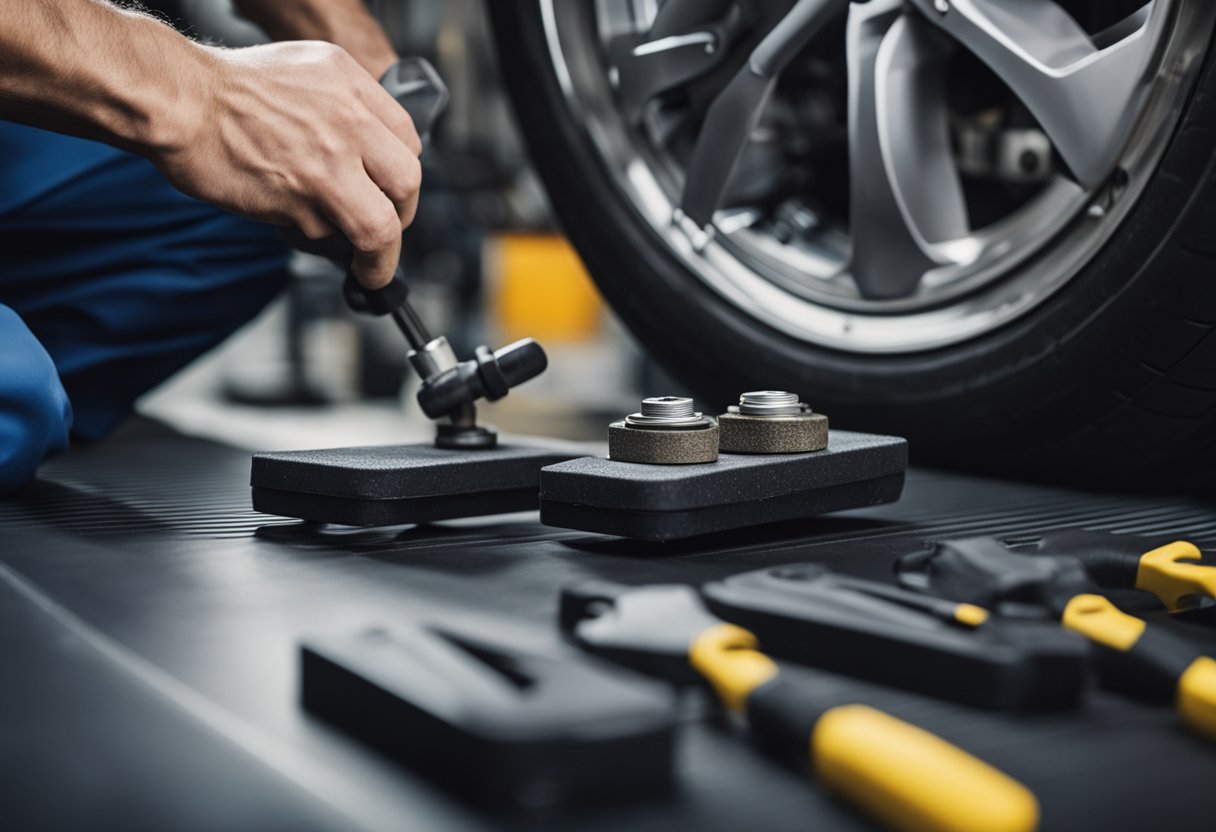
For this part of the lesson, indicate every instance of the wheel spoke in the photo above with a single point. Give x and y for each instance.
(737, 109)
(1083, 90)
(688, 39)
(907, 206)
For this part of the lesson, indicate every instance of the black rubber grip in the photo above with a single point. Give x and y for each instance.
(1150, 670)
(1111, 560)
(380, 301)
(523, 360)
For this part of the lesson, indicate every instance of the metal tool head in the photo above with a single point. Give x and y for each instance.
(982, 571)
(649, 628)
(417, 87)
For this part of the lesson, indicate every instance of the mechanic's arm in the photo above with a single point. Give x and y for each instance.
(291, 133)
(344, 22)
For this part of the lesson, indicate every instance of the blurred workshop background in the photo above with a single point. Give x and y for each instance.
(485, 262)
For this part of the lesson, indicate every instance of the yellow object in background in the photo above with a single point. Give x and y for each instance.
(541, 290)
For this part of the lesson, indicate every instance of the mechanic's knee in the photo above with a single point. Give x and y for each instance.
(35, 414)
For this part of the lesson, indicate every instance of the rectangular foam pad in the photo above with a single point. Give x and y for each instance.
(390, 485)
(667, 502)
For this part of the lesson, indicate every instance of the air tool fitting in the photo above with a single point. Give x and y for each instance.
(772, 422)
(450, 388)
(667, 431)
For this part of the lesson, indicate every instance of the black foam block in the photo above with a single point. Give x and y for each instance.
(381, 486)
(667, 502)
(497, 725)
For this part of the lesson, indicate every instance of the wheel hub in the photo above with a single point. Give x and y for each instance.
(954, 216)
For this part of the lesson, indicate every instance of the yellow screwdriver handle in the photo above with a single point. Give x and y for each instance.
(727, 657)
(1096, 618)
(1197, 697)
(1152, 652)
(1168, 573)
(913, 781)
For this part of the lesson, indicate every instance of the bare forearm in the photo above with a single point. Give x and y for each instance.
(291, 133)
(88, 68)
(346, 23)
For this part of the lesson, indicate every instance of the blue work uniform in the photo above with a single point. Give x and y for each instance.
(110, 281)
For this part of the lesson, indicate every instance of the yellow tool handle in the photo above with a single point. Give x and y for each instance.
(727, 657)
(902, 775)
(1096, 618)
(913, 781)
(1196, 700)
(1149, 658)
(1173, 574)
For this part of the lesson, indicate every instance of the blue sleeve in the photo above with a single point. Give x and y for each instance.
(35, 415)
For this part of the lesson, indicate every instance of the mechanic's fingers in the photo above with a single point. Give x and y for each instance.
(374, 269)
(409, 210)
(369, 220)
(394, 117)
(392, 166)
(313, 225)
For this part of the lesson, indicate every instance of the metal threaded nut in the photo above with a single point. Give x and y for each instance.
(772, 422)
(669, 406)
(770, 403)
(667, 431)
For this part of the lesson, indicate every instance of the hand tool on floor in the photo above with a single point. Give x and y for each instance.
(903, 776)
(470, 475)
(1134, 657)
(904, 639)
(1173, 572)
(496, 724)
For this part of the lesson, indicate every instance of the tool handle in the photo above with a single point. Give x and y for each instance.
(907, 778)
(911, 780)
(1173, 574)
(380, 301)
(1148, 661)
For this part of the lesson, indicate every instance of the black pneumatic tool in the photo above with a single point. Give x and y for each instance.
(896, 637)
(901, 775)
(466, 472)
(1134, 657)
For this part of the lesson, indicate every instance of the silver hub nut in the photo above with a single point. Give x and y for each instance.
(666, 431)
(772, 422)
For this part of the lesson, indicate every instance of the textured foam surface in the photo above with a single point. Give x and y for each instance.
(668, 502)
(400, 471)
(385, 486)
(734, 478)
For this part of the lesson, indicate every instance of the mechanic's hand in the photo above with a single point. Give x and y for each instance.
(299, 134)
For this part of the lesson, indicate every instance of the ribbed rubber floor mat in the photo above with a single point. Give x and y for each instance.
(147, 479)
(156, 482)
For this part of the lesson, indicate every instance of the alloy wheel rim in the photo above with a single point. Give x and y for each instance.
(971, 282)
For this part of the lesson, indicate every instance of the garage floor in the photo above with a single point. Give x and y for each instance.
(149, 623)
